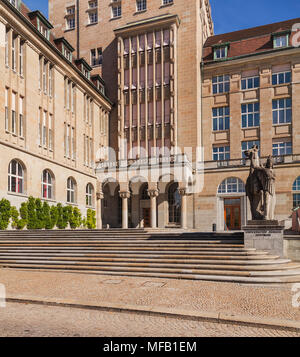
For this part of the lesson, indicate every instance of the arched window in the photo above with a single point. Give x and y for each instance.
(47, 185)
(144, 192)
(89, 197)
(15, 177)
(174, 201)
(296, 193)
(232, 185)
(71, 190)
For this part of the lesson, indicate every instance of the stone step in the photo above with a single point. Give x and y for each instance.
(152, 270)
(133, 263)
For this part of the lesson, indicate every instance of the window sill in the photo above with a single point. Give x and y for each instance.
(282, 124)
(94, 23)
(115, 18)
(251, 127)
(24, 195)
(166, 5)
(52, 200)
(140, 12)
(68, 30)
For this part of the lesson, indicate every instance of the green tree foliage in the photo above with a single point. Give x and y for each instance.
(32, 220)
(91, 219)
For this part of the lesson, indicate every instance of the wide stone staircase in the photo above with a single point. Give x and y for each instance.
(145, 253)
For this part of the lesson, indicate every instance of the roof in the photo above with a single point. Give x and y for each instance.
(249, 41)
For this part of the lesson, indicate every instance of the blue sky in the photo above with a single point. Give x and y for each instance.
(231, 15)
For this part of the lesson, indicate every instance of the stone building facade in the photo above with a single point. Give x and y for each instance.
(55, 118)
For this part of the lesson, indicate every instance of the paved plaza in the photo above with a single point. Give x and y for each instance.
(100, 305)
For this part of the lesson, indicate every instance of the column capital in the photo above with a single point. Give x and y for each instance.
(183, 191)
(153, 193)
(124, 194)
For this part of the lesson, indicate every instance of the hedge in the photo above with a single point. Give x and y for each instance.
(35, 214)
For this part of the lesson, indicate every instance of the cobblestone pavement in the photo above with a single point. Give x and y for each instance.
(231, 298)
(26, 320)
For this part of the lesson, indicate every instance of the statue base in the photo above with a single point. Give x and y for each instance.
(264, 235)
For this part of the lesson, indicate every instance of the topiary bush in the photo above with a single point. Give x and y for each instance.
(91, 219)
(47, 216)
(40, 217)
(5, 213)
(32, 220)
(53, 216)
(14, 214)
(22, 223)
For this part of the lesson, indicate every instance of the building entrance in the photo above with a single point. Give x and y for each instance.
(147, 217)
(232, 214)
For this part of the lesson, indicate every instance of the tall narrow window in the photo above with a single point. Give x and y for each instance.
(89, 195)
(21, 120)
(68, 142)
(13, 114)
(6, 110)
(7, 47)
(13, 53)
(71, 190)
(40, 127)
(21, 58)
(47, 185)
(45, 76)
(73, 143)
(50, 132)
(44, 132)
(50, 81)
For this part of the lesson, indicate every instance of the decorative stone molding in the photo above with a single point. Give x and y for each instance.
(124, 194)
(99, 195)
(153, 193)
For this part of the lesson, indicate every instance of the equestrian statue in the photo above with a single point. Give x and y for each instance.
(260, 186)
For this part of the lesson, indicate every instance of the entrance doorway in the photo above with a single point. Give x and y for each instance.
(232, 214)
(147, 217)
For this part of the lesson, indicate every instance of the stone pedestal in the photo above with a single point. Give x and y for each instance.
(265, 235)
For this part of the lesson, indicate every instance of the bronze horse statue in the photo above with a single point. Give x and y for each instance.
(260, 186)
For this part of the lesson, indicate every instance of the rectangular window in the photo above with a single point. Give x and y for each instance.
(73, 143)
(93, 17)
(45, 66)
(167, 2)
(281, 78)
(6, 110)
(141, 5)
(221, 84)
(21, 117)
(282, 111)
(282, 148)
(220, 52)
(250, 115)
(221, 118)
(73, 99)
(7, 47)
(221, 153)
(96, 57)
(50, 132)
(68, 142)
(116, 11)
(250, 83)
(13, 114)
(51, 81)
(13, 53)
(247, 145)
(281, 41)
(40, 127)
(71, 23)
(21, 58)
(44, 130)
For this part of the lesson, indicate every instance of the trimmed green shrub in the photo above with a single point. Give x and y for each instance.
(61, 223)
(24, 215)
(40, 217)
(14, 213)
(91, 219)
(54, 216)
(77, 217)
(32, 220)
(5, 213)
(47, 216)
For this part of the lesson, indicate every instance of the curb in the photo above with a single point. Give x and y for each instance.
(172, 313)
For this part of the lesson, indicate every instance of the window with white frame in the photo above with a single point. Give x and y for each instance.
(232, 185)
(250, 115)
(220, 52)
(47, 185)
(221, 153)
(50, 80)
(116, 11)
(141, 5)
(250, 83)
(71, 190)
(44, 130)
(282, 111)
(6, 110)
(70, 22)
(89, 195)
(281, 78)
(7, 33)
(13, 53)
(93, 17)
(21, 58)
(247, 145)
(15, 177)
(281, 148)
(167, 2)
(221, 118)
(281, 41)
(21, 117)
(45, 66)
(96, 57)
(296, 193)
(221, 84)
(13, 113)
(50, 132)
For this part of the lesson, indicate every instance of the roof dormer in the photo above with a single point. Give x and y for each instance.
(65, 47)
(84, 67)
(41, 23)
(99, 83)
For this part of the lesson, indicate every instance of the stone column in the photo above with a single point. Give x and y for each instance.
(99, 198)
(182, 192)
(153, 194)
(125, 195)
